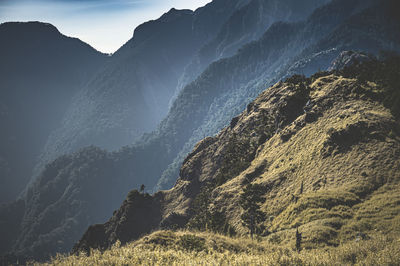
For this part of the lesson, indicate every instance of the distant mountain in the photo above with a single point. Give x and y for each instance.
(40, 70)
(245, 25)
(60, 203)
(131, 94)
(323, 152)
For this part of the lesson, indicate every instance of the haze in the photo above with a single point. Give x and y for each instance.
(104, 24)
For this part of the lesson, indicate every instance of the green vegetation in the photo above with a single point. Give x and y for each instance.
(192, 242)
(237, 157)
(204, 219)
(252, 217)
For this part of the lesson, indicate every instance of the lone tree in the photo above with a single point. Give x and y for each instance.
(298, 240)
(205, 218)
(301, 187)
(142, 188)
(201, 214)
(252, 216)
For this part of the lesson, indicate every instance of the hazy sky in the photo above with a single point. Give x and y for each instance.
(104, 24)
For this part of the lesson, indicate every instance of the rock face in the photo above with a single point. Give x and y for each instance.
(324, 150)
(139, 211)
(349, 58)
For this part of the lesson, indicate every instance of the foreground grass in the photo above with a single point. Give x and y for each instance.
(188, 248)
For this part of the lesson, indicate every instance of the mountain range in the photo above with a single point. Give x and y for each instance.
(135, 117)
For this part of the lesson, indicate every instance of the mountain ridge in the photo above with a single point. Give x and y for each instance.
(202, 108)
(315, 146)
(136, 84)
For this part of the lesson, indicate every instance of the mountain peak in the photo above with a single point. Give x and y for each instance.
(29, 27)
(174, 13)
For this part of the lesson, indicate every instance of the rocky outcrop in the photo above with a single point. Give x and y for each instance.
(139, 214)
(349, 58)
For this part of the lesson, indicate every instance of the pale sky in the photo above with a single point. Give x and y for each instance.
(104, 24)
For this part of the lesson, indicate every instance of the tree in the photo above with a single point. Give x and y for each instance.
(142, 188)
(252, 216)
(298, 240)
(301, 187)
(237, 156)
(204, 218)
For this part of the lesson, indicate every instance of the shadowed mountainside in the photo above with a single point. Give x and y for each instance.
(40, 71)
(132, 94)
(245, 25)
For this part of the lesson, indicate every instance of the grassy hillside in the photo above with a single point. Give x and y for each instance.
(324, 153)
(205, 248)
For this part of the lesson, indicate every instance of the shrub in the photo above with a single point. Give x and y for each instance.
(192, 242)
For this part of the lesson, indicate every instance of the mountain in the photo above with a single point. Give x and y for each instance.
(40, 70)
(245, 25)
(323, 152)
(125, 98)
(132, 93)
(226, 87)
(59, 204)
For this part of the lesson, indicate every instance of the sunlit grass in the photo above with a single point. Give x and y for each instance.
(165, 248)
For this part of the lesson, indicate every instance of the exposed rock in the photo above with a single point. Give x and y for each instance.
(138, 215)
(349, 58)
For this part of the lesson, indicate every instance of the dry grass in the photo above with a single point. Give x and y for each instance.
(167, 248)
(353, 189)
(348, 210)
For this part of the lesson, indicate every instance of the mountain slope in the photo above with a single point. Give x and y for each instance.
(323, 151)
(127, 97)
(245, 25)
(40, 70)
(227, 86)
(131, 95)
(202, 108)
